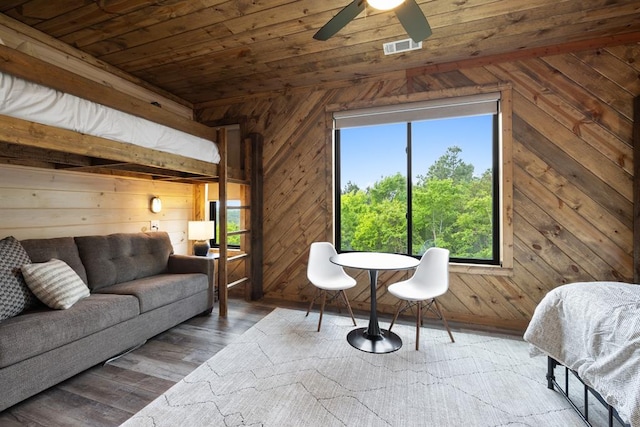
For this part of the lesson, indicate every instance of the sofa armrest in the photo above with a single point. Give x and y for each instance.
(190, 264)
(181, 264)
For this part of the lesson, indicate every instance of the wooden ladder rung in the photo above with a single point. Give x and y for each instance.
(240, 181)
(237, 257)
(238, 282)
(235, 233)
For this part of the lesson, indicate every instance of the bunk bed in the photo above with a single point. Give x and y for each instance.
(50, 117)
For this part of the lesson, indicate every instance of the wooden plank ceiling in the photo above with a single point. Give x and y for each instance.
(207, 50)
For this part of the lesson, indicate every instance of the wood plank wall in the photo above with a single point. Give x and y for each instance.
(572, 132)
(44, 203)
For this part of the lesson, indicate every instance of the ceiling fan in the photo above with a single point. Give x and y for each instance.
(408, 12)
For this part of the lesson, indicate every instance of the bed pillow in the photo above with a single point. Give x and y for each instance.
(15, 296)
(55, 283)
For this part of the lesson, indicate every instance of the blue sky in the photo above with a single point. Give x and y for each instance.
(375, 151)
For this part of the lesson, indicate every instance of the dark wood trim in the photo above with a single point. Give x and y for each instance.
(223, 250)
(257, 209)
(535, 52)
(636, 189)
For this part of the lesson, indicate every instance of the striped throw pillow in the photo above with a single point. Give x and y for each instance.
(55, 283)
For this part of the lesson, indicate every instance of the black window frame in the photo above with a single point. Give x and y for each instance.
(496, 192)
(213, 214)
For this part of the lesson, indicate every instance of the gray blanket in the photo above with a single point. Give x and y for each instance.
(593, 328)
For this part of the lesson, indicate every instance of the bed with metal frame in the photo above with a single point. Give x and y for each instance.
(552, 384)
(593, 330)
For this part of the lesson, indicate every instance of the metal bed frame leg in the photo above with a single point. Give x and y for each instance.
(551, 364)
(552, 384)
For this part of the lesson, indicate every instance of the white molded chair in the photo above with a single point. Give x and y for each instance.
(329, 278)
(430, 280)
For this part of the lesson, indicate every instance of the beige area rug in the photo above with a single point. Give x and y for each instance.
(281, 372)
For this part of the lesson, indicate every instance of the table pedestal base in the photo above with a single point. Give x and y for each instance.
(386, 342)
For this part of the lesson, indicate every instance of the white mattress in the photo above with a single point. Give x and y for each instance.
(29, 101)
(593, 328)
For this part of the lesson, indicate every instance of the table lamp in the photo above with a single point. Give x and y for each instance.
(201, 232)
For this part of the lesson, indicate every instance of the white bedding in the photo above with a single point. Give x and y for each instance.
(593, 328)
(29, 101)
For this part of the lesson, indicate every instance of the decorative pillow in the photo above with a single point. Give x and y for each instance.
(55, 283)
(15, 296)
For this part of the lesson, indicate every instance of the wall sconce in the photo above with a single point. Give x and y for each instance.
(155, 205)
(201, 232)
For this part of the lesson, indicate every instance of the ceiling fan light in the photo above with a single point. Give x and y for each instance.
(384, 4)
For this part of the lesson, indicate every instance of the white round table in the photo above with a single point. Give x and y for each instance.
(373, 339)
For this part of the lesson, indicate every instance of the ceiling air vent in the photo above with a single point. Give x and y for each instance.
(401, 46)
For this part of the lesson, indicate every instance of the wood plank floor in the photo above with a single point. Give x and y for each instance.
(108, 395)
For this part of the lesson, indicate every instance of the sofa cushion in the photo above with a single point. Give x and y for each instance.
(62, 248)
(160, 290)
(35, 332)
(55, 283)
(122, 257)
(15, 296)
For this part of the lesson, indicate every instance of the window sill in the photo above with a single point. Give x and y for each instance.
(489, 270)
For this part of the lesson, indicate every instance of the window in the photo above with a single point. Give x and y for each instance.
(421, 174)
(233, 222)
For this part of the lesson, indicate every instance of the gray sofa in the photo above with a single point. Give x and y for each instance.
(138, 287)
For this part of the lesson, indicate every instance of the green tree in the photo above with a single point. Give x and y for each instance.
(437, 203)
(375, 219)
(354, 205)
(450, 166)
(389, 188)
(350, 188)
(383, 227)
(451, 208)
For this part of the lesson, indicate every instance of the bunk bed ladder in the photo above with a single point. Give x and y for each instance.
(245, 248)
(250, 222)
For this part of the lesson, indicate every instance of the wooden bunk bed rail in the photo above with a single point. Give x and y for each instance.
(77, 151)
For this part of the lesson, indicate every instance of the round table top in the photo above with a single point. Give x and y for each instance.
(375, 261)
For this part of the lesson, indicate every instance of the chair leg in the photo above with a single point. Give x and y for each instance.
(344, 295)
(446, 325)
(418, 323)
(395, 316)
(324, 298)
(315, 295)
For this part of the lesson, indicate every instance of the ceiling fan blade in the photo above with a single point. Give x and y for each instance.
(413, 20)
(338, 22)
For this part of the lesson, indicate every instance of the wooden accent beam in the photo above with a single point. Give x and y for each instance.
(519, 55)
(156, 173)
(38, 154)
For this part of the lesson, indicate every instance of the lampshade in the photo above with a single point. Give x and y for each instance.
(384, 4)
(201, 230)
